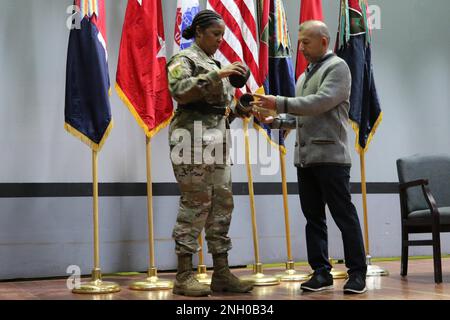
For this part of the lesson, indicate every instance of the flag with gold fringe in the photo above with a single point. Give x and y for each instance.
(141, 79)
(87, 113)
(353, 44)
(279, 78)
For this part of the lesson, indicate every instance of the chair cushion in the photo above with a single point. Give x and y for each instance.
(435, 168)
(444, 215)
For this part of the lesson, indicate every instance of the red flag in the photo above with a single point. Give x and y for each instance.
(309, 10)
(141, 79)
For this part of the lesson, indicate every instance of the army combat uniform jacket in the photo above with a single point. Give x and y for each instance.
(204, 99)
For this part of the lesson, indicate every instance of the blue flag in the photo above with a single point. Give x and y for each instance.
(87, 106)
(281, 78)
(353, 45)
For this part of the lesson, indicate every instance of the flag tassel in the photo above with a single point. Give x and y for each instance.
(93, 145)
(280, 147)
(355, 127)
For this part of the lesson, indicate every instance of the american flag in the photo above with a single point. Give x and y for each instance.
(240, 40)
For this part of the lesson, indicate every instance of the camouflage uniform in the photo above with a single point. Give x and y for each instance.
(206, 196)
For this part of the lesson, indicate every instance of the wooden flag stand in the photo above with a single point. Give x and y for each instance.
(97, 285)
(258, 277)
(290, 274)
(152, 282)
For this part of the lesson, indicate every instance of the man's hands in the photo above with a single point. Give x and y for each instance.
(264, 108)
(265, 102)
(234, 68)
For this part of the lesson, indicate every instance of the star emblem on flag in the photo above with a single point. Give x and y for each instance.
(162, 51)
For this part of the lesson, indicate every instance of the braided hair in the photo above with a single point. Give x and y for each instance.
(203, 19)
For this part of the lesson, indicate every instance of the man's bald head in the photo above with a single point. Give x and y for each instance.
(317, 28)
(314, 38)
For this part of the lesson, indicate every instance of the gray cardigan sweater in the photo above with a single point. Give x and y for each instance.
(319, 112)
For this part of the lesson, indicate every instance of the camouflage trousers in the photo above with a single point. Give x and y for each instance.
(206, 202)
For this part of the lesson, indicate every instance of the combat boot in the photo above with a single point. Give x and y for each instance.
(224, 280)
(185, 283)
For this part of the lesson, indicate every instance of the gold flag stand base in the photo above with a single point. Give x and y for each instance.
(97, 286)
(260, 279)
(337, 274)
(152, 283)
(374, 271)
(290, 274)
(201, 275)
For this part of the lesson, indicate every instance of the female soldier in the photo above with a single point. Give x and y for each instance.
(203, 92)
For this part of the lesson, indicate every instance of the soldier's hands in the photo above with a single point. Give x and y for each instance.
(234, 68)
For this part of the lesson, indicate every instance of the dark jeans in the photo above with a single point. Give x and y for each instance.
(330, 184)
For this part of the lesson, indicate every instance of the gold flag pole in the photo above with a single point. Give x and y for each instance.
(97, 285)
(201, 275)
(257, 277)
(290, 274)
(152, 282)
(372, 270)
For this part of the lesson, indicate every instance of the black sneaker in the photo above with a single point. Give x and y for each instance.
(319, 281)
(356, 283)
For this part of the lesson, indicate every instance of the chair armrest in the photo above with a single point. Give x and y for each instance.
(415, 183)
(427, 194)
(431, 204)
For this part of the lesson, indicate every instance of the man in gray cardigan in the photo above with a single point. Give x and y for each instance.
(319, 112)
